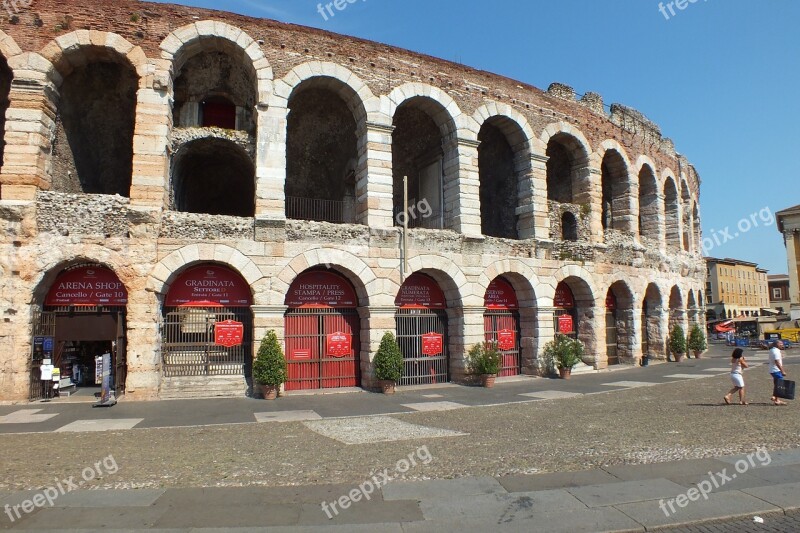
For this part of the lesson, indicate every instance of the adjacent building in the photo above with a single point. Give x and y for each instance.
(735, 289)
(779, 291)
(789, 226)
(177, 181)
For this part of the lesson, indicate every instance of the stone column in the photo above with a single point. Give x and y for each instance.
(466, 329)
(532, 198)
(143, 348)
(529, 339)
(629, 336)
(374, 179)
(657, 324)
(462, 186)
(30, 123)
(587, 191)
(271, 163)
(547, 334)
(792, 251)
(592, 332)
(375, 321)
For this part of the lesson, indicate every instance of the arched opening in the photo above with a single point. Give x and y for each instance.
(672, 216)
(648, 205)
(82, 316)
(619, 324)
(498, 179)
(574, 313)
(6, 76)
(92, 150)
(696, 234)
(322, 153)
(691, 309)
(688, 222)
(213, 176)
(422, 331)
(215, 86)
(562, 161)
(677, 312)
(615, 192)
(652, 334)
(207, 323)
(322, 329)
(569, 227)
(501, 323)
(419, 152)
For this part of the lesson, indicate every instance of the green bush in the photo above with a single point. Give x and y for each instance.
(697, 339)
(388, 360)
(269, 367)
(485, 358)
(563, 352)
(677, 340)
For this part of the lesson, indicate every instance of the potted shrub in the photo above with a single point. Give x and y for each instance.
(485, 361)
(388, 363)
(677, 343)
(269, 367)
(564, 353)
(697, 341)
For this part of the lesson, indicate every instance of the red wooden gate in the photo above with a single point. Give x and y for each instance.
(501, 324)
(322, 333)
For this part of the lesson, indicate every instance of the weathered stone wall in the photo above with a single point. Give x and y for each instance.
(82, 214)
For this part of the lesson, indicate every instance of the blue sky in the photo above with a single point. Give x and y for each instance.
(719, 77)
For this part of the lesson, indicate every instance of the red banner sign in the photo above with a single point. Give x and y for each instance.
(506, 339)
(611, 301)
(339, 344)
(563, 298)
(87, 286)
(321, 289)
(209, 286)
(432, 344)
(228, 333)
(565, 324)
(500, 295)
(420, 292)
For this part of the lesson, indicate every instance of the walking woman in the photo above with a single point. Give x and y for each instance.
(737, 365)
(776, 368)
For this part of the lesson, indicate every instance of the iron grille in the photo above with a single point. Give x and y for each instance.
(318, 210)
(309, 364)
(494, 321)
(189, 347)
(44, 323)
(420, 369)
(612, 352)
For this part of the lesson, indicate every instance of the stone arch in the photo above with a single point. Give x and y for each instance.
(568, 164)
(170, 267)
(449, 277)
(73, 50)
(617, 187)
(650, 206)
(587, 290)
(522, 277)
(653, 334)
(585, 312)
(515, 125)
(672, 214)
(445, 112)
(189, 37)
(47, 274)
(8, 46)
(621, 334)
(352, 267)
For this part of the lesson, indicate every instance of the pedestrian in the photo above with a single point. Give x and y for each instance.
(776, 368)
(737, 365)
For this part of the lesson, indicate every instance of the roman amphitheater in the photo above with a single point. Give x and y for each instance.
(176, 182)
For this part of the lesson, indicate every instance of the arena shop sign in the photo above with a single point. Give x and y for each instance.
(87, 285)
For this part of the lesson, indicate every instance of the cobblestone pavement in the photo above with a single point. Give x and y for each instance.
(776, 522)
(680, 420)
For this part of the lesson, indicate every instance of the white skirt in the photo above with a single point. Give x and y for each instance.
(738, 380)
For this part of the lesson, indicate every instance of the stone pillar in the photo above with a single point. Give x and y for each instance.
(792, 251)
(374, 180)
(529, 339)
(462, 186)
(143, 348)
(657, 324)
(30, 121)
(592, 332)
(629, 336)
(587, 191)
(271, 163)
(466, 329)
(532, 198)
(375, 321)
(149, 182)
(547, 334)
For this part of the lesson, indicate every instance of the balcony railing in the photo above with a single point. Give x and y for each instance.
(315, 209)
(417, 219)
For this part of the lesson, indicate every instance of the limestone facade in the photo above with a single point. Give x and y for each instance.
(635, 200)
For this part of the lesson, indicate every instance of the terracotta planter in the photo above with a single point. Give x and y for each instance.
(678, 357)
(268, 392)
(487, 380)
(565, 373)
(697, 354)
(387, 386)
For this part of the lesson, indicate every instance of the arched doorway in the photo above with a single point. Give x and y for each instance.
(565, 314)
(422, 333)
(82, 317)
(502, 325)
(208, 324)
(322, 332)
(612, 339)
(652, 335)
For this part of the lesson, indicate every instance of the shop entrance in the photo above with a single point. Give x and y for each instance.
(501, 324)
(322, 332)
(83, 318)
(421, 323)
(208, 327)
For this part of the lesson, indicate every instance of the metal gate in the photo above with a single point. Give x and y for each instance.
(120, 356)
(420, 369)
(309, 364)
(611, 337)
(189, 347)
(498, 320)
(645, 335)
(44, 323)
